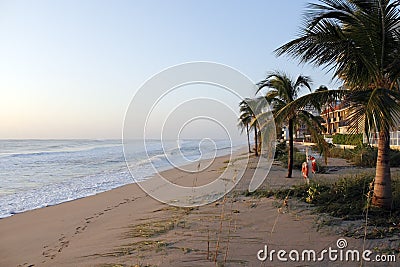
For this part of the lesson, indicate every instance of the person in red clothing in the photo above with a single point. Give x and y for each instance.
(313, 164)
(304, 171)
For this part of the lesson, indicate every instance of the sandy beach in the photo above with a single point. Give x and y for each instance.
(125, 227)
(116, 116)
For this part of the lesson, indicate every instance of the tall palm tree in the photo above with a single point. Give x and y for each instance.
(248, 118)
(282, 90)
(245, 121)
(360, 42)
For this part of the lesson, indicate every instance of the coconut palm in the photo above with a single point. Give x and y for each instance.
(248, 118)
(360, 42)
(282, 90)
(244, 123)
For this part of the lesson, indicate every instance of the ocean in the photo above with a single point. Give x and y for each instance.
(40, 173)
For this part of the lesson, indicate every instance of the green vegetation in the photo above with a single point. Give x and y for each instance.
(281, 154)
(348, 139)
(281, 151)
(283, 90)
(246, 120)
(347, 199)
(298, 159)
(364, 156)
(359, 41)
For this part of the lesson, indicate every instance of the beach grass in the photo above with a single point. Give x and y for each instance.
(347, 199)
(150, 229)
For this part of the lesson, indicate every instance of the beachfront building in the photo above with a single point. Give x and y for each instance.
(334, 116)
(394, 139)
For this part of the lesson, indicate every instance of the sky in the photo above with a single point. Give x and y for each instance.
(69, 69)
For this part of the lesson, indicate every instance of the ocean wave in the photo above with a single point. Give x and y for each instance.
(33, 176)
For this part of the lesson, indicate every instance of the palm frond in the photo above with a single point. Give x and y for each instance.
(282, 86)
(378, 109)
(313, 99)
(358, 40)
(313, 124)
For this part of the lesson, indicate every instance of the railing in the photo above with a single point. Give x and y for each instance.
(394, 138)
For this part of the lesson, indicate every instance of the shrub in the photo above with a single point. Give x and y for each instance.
(396, 192)
(298, 159)
(336, 152)
(394, 158)
(348, 139)
(347, 199)
(281, 154)
(364, 156)
(281, 150)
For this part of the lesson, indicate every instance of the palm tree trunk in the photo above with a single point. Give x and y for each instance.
(248, 137)
(290, 154)
(256, 138)
(327, 125)
(382, 186)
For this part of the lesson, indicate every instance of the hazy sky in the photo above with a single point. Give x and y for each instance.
(68, 69)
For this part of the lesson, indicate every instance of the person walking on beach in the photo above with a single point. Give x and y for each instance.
(304, 171)
(313, 165)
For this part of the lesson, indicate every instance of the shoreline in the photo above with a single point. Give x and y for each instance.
(126, 227)
(145, 178)
(41, 225)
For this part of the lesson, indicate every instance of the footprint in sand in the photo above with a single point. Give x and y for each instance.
(77, 230)
(63, 245)
(51, 252)
(98, 214)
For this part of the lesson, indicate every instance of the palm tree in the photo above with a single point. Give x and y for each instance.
(282, 91)
(244, 122)
(359, 41)
(248, 118)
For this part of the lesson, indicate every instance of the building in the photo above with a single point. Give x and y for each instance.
(394, 139)
(335, 116)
